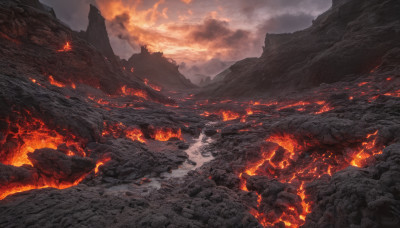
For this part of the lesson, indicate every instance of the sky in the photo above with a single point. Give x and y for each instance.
(202, 36)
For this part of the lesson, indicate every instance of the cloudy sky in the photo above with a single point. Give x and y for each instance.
(200, 35)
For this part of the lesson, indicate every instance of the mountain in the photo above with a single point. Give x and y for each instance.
(351, 39)
(96, 33)
(158, 69)
(38, 45)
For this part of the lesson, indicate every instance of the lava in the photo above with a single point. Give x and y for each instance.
(27, 135)
(367, 150)
(296, 163)
(32, 134)
(117, 130)
(41, 184)
(325, 107)
(101, 163)
(299, 104)
(55, 83)
(165, 134)
(67, 47)
(154, 87)
(135, 135)
(229, 115)
(133, 92)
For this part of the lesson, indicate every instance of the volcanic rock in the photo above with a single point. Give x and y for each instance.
(158, 70)
(60, 166)
(96, 33)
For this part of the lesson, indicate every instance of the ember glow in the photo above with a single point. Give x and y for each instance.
(289, 162)
(67, 47)
(154, 87)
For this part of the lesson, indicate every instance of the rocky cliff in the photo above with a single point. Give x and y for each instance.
(158, 69)
(351, 39)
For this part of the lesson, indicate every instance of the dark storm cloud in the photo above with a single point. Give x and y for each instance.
(218, 33)
(252, 7)
(286, 23)
(72, 12)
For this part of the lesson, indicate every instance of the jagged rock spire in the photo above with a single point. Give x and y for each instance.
(96, 33)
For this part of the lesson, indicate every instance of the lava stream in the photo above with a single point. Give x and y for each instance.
(290, 163)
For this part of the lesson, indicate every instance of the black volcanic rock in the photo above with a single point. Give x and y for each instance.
(158, 69)
(60, 166)
(96, 33)
(347, 41)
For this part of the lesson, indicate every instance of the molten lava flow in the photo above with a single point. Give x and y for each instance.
(33, 135)
(55, 83)
(42, 183)
(325, 107)
(297, 104)
(249, 111)
(135, 135)
(154, 87)
(132, 92)
(99, 100)
(393, 94)
(229, 115)
(165, 134)
(118, 130)
(100, 163)
(291, 163)
(67, 47)
(367, 150)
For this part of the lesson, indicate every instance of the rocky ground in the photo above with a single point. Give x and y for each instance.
(123, 153)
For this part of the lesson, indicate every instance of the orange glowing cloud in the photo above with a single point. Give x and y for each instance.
(175, 33)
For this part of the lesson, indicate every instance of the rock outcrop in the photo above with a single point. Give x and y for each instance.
(158, 69)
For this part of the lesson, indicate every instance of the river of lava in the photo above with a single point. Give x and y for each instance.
(297, 163)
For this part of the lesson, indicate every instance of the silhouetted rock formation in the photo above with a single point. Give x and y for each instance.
(158, 69)
(96, 33)
(347, 41)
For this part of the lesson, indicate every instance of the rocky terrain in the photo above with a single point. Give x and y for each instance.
(344, 43)
(86, 142)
